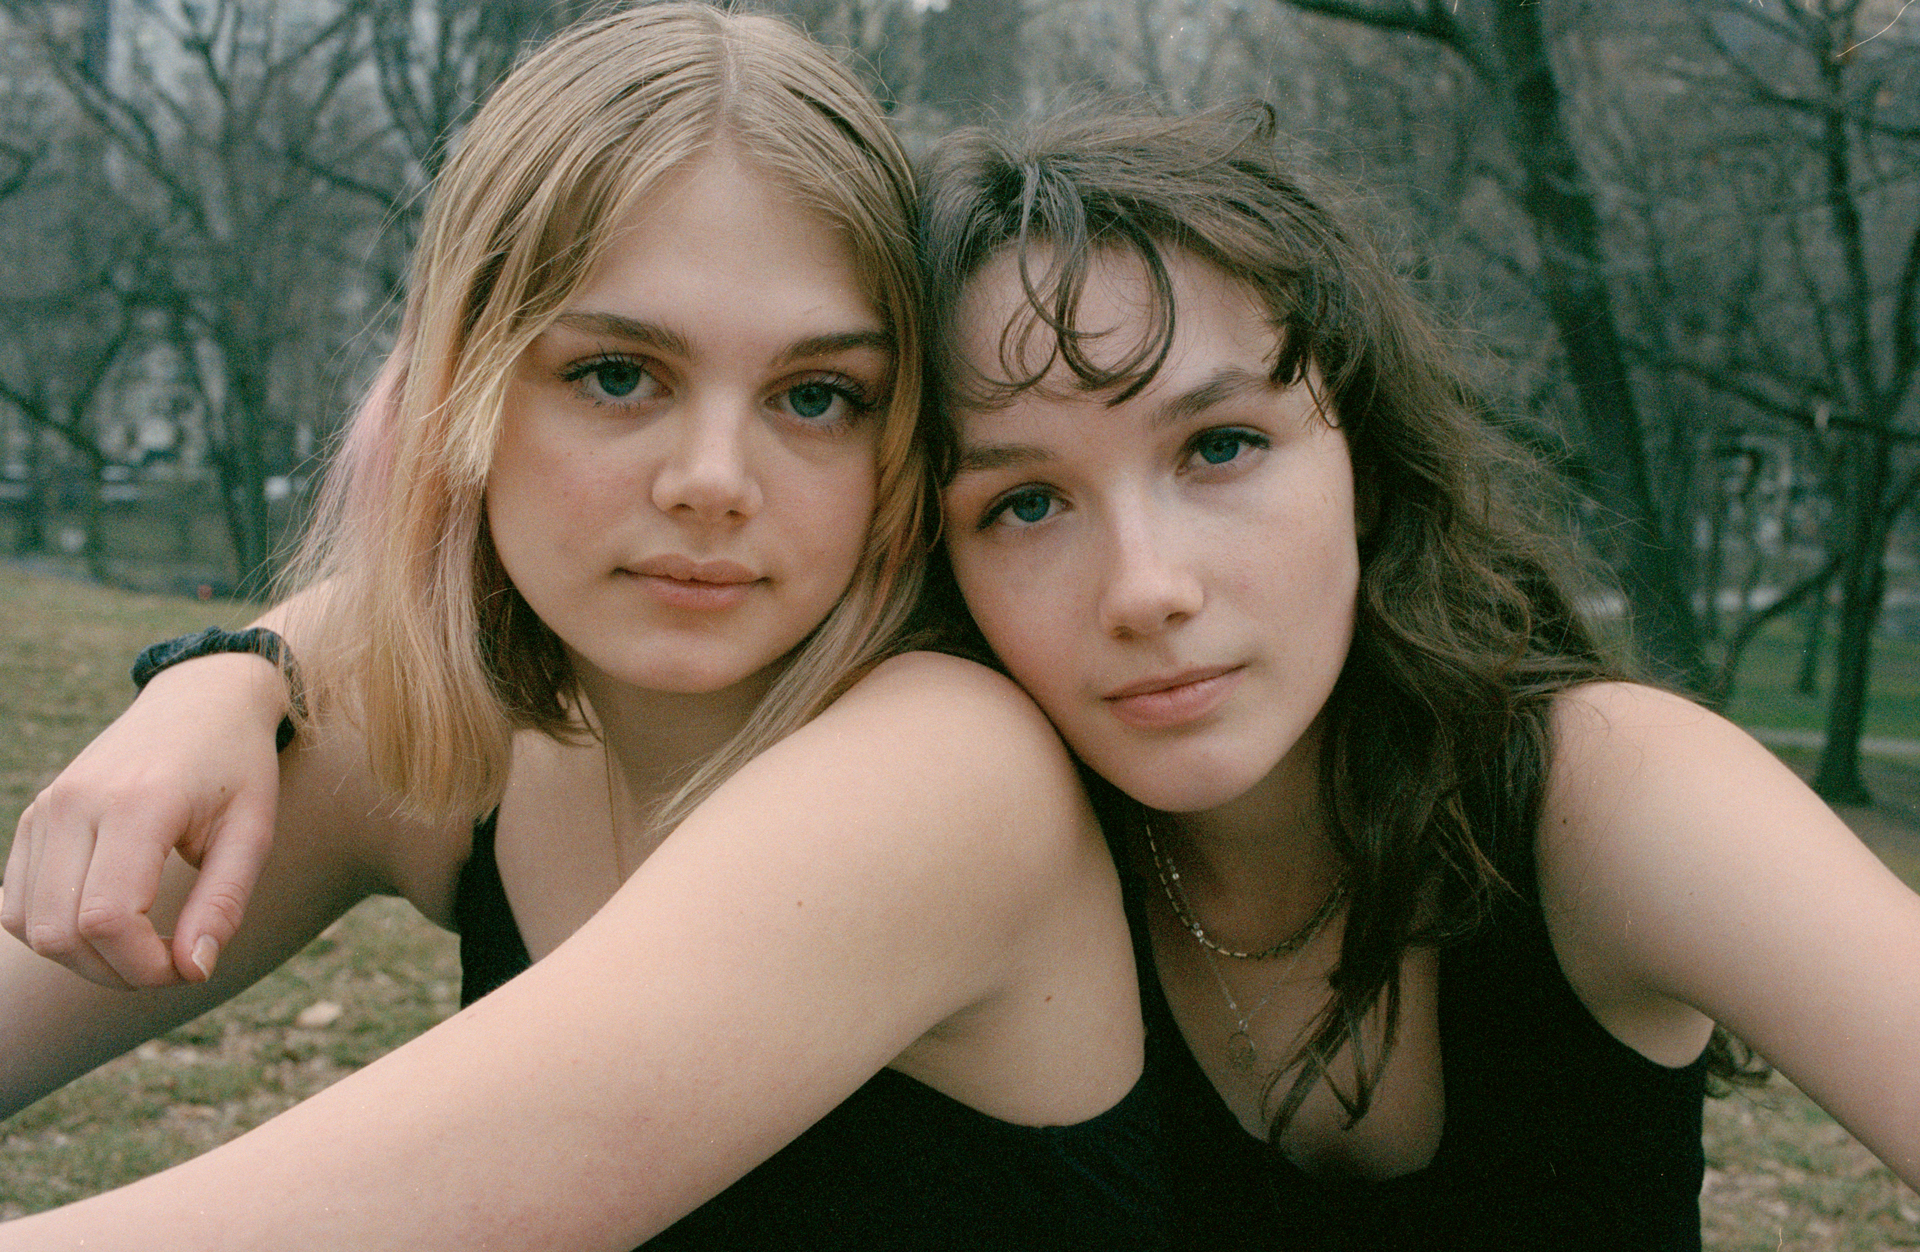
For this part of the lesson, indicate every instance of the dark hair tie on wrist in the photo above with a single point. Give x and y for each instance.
(255, 639)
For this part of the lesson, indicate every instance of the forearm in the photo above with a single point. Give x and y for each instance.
(536, 1119)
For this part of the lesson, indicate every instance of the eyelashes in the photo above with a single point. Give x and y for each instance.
(1222, 445)
(823, 400)
(1019, 505)
(1210, 452)
(610, 378)
(617, 377)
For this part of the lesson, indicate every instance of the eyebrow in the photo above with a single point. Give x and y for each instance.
(654, 335)
(1224, 384)
(843, 341)
(1229, 382)
(614, 326)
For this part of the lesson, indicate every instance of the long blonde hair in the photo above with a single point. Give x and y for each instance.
(416, 633)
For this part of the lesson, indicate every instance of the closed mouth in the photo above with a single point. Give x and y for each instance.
(704, 573)
(1152, 686)
(1173, 701)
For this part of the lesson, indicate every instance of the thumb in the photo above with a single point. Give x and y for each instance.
(235, 853)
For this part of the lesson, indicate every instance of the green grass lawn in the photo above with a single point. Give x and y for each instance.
(1764, 693)
(1783, 1174)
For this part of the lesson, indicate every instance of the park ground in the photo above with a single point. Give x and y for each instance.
(1781, 1174)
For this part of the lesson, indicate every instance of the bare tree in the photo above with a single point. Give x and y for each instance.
(1814, 320)
(65, 265)
(212, 118)
(1508, 47)
(74, 320)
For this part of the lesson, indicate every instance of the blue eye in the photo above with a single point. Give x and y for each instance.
(812, 400)
(1217, 447)
(1031, 507)
(613, 378)
(619, 378)
(1024, 506)
(824, 402)
(1223, 445)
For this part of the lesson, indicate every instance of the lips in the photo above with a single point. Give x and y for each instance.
(1173, 700)
(682, 583)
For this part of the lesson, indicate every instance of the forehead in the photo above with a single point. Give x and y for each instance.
(1217, 320)
(721, 223)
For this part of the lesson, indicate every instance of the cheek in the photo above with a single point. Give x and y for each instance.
(1019, 616)
(833, 512)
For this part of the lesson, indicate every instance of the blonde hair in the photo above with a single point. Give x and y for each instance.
(416, 632)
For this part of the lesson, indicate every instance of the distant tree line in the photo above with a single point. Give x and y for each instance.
(1686, 234)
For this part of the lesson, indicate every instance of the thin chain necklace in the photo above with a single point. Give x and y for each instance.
(1242, 1055)
(1177, 897)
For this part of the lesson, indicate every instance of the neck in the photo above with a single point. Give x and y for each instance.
(1260, 865)
(654, 739)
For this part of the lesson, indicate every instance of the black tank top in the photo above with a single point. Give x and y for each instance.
(1557, 1138)
(898, 1165)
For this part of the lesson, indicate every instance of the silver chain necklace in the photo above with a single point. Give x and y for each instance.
(1177, 897)
(1242, 1055)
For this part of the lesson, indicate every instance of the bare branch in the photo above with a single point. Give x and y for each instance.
(1433, 20)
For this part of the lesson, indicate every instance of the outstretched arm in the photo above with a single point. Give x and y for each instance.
(329, 853)
(189, 769)
(853, 888)
(1685, 868)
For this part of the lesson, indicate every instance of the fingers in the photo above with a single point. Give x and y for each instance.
(218, 900)
(81, 884)
(115, 915)
(13, 907)
(45, 877)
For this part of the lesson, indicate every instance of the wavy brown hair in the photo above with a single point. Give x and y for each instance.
(1437, 739)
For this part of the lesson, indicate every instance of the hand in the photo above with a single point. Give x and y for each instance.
(190, 767)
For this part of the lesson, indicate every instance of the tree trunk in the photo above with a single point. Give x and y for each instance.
(1813, 633)
(1554, 194)
(92, 514)
(1863, 585)
(1556, 198)
(31, 539)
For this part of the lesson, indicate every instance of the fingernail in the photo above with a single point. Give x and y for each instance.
(206, 950)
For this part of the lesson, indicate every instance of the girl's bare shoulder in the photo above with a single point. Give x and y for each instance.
(1645, 783)
(1682, 864)
(946, 747)
(966, 715)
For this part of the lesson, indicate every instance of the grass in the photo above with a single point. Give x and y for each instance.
(1764, 693)
(64, 652)
(1782, 1174)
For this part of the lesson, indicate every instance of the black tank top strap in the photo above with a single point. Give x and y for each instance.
(491, 949)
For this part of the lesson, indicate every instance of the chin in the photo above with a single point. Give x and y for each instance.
(1171, 789)
(682, 675)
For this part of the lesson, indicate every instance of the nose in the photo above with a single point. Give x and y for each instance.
(708, 474)
(1150, 586)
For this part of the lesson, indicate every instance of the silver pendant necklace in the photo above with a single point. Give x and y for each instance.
(1241, 1052)
(613, 818)
(1242, 1055)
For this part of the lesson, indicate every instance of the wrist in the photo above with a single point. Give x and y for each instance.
(215, 646)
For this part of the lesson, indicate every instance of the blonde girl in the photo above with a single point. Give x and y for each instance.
(600, 643)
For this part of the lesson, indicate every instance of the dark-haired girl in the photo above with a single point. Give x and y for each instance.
(1447, 911)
